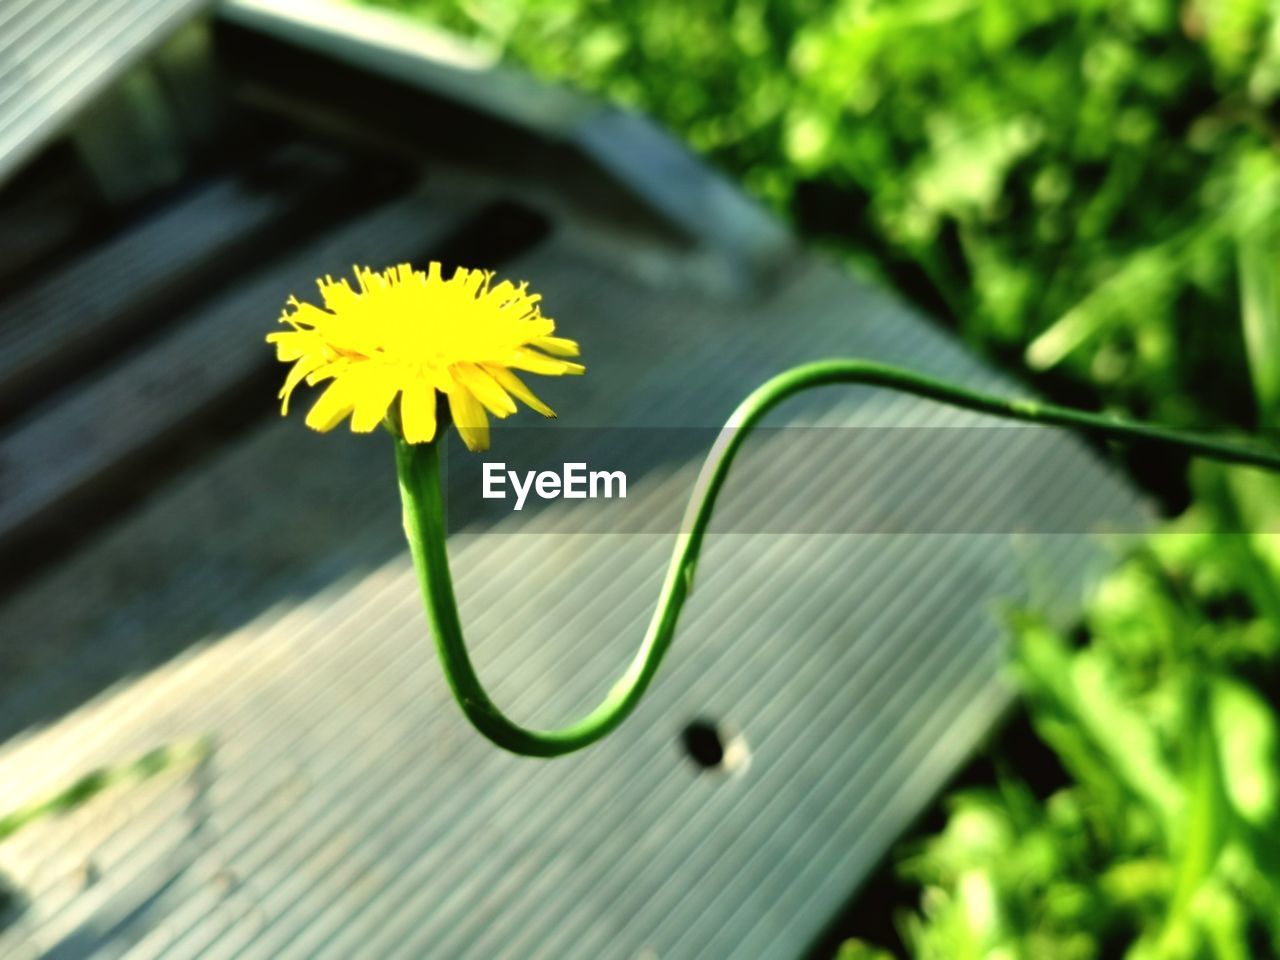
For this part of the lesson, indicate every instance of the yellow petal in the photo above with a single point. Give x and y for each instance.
(417, 338)
(292, 344)
(535, 362)
(305, 316)
(328, 371)
(334, 404)
(516, 387)
(373, 395)
(337, 295)
(560, 346)
(536, 327)
(484, 389)
(299, 370)
(418, 413)
(469, 416)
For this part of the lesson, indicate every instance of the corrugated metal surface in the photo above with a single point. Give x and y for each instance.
(96, 300)
(56, 54)
(119, 413)
(348, 811)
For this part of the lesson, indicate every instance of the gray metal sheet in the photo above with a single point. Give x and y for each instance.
(347, 809)
(144, 268)
(58, 452)
(56, 54)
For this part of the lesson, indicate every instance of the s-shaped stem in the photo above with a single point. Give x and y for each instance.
(419, 471)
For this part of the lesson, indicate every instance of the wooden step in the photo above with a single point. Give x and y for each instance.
(213, 356)
(99, 302)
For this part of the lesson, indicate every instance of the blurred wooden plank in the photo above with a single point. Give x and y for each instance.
(54, 57)
(48, 215)
(141, 276)
(216, 355)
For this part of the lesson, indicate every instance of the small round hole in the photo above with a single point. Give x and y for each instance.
(712, 747)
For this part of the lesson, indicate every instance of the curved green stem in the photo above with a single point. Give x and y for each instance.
(420, 489)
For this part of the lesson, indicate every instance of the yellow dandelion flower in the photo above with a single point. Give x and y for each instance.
(414, 335)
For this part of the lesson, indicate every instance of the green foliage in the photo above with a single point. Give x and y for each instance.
(857, 950)
(1166, 843)
(1259, 254)
(1064, 178)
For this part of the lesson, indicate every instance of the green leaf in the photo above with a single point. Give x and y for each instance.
(1244, 725)
(1259, 251)
(1109, 743)
(858, 950)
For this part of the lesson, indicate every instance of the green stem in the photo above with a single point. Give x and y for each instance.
(420, 489)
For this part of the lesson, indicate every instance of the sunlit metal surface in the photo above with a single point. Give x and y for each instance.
(263, 596)
(54, 56)
(347, 810)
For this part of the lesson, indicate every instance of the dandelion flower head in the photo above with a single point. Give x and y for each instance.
(413, 335)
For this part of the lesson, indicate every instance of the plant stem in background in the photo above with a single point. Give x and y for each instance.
(151, 763)
(1260, 313)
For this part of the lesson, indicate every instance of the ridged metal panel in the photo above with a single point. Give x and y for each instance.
(120, 412)
(98, 296)
(56, 54)
(348, 811)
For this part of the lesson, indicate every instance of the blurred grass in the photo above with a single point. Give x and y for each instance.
(1088, 190)
(1063, 180)
(1165, 842)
